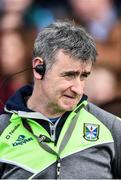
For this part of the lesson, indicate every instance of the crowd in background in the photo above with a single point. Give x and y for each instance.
(20, 20)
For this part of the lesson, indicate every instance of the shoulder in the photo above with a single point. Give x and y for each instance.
(4, 121)
(112, 122)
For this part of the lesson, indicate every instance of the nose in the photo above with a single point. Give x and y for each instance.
(78, 87)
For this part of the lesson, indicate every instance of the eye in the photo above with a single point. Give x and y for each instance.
(84, 76)
(69, 75)
(72, 75)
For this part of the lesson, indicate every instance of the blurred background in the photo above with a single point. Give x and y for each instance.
(21, 20)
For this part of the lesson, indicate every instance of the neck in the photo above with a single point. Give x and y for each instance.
(37, 105)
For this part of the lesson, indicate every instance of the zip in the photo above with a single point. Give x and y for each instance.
(52, 132)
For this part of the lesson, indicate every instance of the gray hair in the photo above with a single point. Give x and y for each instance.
(65, 36)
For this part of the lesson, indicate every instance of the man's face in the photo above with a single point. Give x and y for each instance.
(63, 84)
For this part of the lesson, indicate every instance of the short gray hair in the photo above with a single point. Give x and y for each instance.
(65, 36)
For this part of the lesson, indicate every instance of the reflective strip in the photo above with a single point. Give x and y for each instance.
(33, 115)
(93, 145)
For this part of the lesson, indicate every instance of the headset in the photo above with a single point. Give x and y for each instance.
(40, 69)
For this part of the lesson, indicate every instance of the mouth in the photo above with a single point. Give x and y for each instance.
(68, 96)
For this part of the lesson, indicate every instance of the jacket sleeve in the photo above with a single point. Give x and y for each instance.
(2, 166)
(4, 121)
(116, 133)
(113, 123)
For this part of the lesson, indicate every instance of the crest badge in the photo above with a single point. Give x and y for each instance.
(91, 131)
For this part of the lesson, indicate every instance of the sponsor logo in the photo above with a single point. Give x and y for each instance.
(12, 131)
(22, 140)
(91, 131)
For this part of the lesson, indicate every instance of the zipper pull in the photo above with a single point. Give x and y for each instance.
(58, 168)
(43, 138)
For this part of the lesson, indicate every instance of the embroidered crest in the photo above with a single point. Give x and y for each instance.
(91, 131)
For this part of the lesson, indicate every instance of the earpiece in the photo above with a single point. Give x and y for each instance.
(40, 68)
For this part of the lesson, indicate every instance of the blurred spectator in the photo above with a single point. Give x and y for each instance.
(97, 16)
(16, 43)
(39, 17)
(17, 13)
(113, 106)
(101, 20)
(101, 86)
(16, 46)
(12, 52)
(13, 12)
(42, 13)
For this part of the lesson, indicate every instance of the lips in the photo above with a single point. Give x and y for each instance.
(68, 96)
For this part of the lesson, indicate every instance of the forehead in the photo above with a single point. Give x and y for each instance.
(65, 61)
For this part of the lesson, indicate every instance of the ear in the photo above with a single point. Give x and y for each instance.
(37, 61)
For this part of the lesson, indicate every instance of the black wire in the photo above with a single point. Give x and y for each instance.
(3, 83)
(5, 80)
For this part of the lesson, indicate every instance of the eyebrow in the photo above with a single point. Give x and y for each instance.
(76, 73)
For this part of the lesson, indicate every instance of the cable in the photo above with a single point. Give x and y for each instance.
(4, 81)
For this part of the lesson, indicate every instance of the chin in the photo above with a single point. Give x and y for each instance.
(68, 108)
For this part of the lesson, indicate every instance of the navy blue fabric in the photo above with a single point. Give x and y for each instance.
(53, 120)
(17, 101)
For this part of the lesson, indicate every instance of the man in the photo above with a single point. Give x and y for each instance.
(50, 130)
